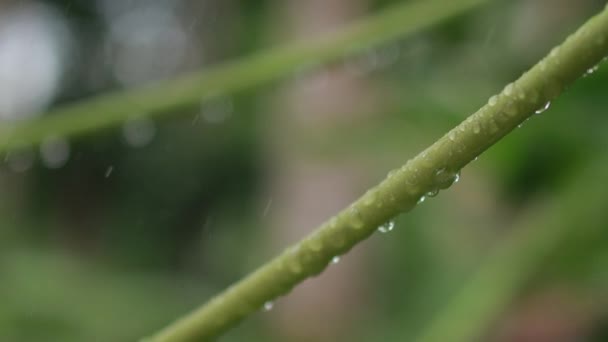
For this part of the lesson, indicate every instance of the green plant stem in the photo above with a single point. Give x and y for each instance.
(513, 262)
(166, 98)
(435, 168)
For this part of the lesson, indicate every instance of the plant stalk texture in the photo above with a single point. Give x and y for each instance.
(434, 169)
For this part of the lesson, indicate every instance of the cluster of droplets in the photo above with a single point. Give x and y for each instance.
(443, 180)
(512, 96)
(591, 70)
(386, 227)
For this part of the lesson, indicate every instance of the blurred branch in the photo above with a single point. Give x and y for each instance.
(165, 98)
(435, 168)
(516, 259)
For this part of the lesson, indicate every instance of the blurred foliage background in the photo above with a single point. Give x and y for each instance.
(109, 237)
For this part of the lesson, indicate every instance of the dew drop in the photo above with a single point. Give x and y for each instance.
(315, 245)
(355, 218)
(387, 227)
(476, 128)
(457, 175)
(55, 152)
(521, 95)
(369, 199)
(432, 193)
(554, 52)
(591, 70)
(295, 267)
(335, 260)
(443, 180)
(543, 108)
(493, 100)
(509, 89)
(333, 224)
(493, 127)
(268, 306)
(452, 136)
(421, 199)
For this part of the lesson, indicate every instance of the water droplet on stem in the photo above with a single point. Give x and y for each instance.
(493, 100)
(543, 108)
(387, 227)
(268, 306)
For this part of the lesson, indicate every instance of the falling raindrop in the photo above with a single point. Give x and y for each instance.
(55, 152)
(139, 132)
(543, 108)
(267, 207)
(268, 306)
(387, 227)
(109, 171)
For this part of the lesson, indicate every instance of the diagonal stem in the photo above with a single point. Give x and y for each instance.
(434, 169)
